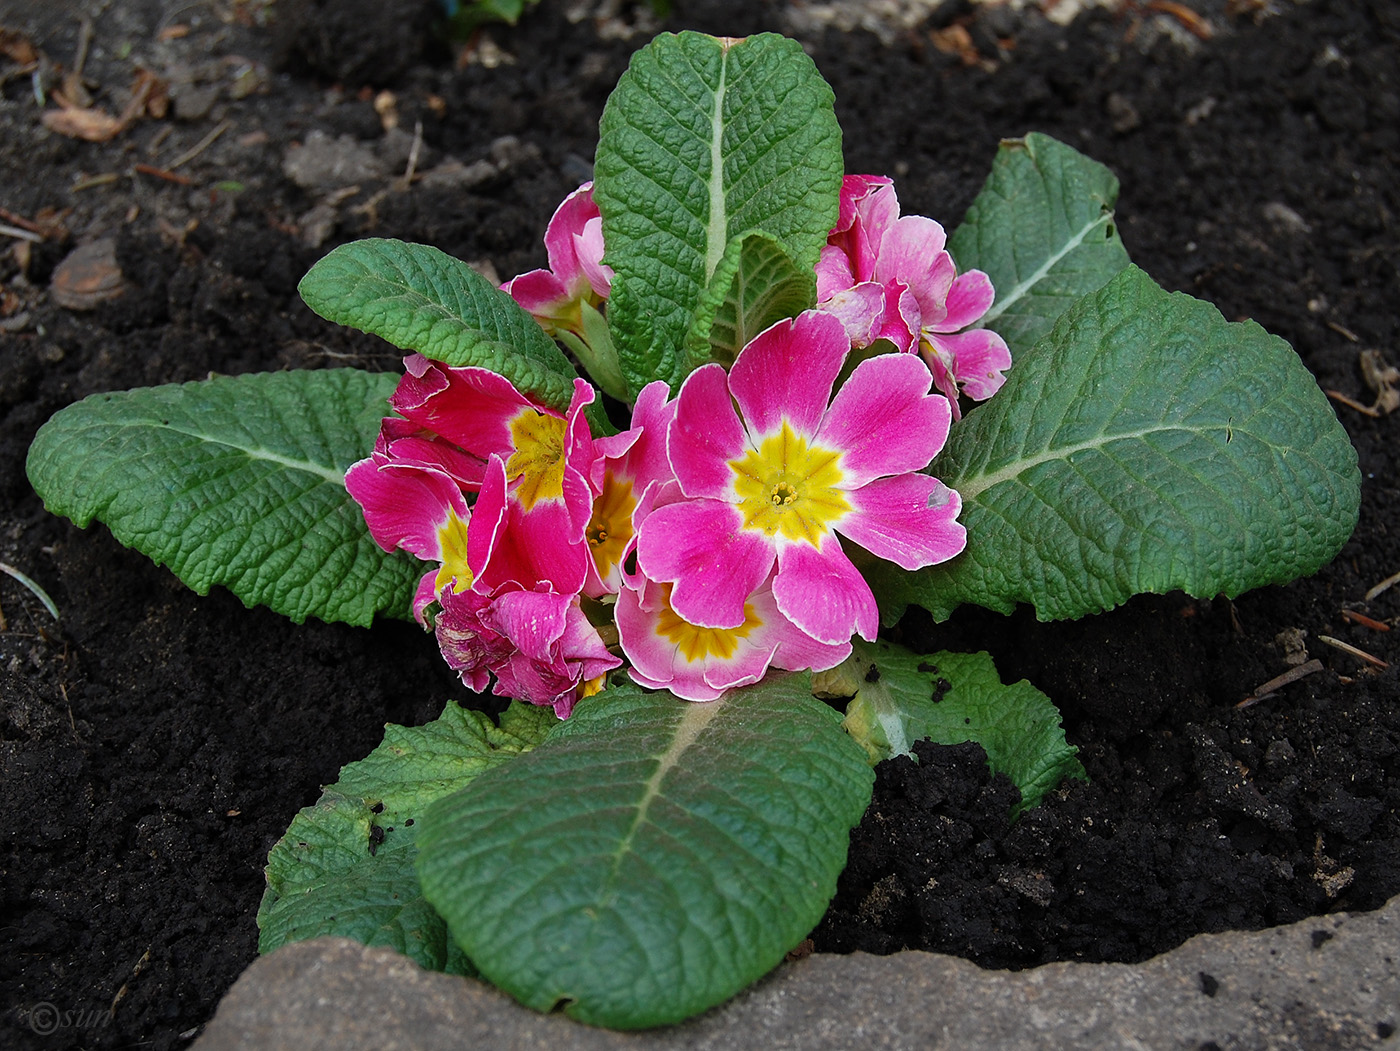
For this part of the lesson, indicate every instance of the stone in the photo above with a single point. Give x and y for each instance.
(323, 163)
(88, 276)
(1330, 981)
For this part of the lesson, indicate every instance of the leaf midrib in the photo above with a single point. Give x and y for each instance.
(1019, 290)
(329, 474)
(692, 724)
(717, 236)
(972, 486)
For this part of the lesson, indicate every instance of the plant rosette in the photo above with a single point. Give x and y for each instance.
(800, 411)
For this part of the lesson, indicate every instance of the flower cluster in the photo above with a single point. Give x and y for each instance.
(712, 539)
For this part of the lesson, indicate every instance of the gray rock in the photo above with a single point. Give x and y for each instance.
(323, 163)
(1331, 982)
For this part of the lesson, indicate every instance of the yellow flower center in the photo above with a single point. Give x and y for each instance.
(452, 539)
(695, 643)
(538, 460)
(787, 486)
(610, 528)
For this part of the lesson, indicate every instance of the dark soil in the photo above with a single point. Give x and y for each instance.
(156, 743)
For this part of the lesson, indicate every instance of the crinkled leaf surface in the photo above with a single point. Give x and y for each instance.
(1146, 445)
(237, 481)
(419, 298)
(346, 865)
(954, 697)
(702, 142)
(755, 285)
(653, 856)
(1042, 229)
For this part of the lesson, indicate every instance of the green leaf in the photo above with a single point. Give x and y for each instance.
(755, 285)
(653, 856)
(419, 298)
(1146, 445)
(702, 142)
(1042, 229)
(950, 698)
(237, 481)
(346, 865)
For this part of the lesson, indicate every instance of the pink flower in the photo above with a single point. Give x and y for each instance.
(508, 586)
(416, 505)
(538, 644)
(463, 418)
(890, 277)
(698, 664)
(628, 466)
(574, 243)
(776, 481)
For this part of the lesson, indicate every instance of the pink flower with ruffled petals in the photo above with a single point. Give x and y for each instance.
(888, 276)
(698, 664)
(466, 417)
(574, 243)
(777, 479)
(538, 644)
(508, 586)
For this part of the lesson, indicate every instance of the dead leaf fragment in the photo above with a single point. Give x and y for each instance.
(95, 125)
(88, 276)
(1382, 377)
(15, 46)
(154, 92)
(90, 125)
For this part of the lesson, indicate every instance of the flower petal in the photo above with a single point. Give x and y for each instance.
(970, 296)
(884, 420)
(699, 546)
(696, 664)
(833, 273)
(912, 253)
(568, 221)
(470, 407)
(978, 355)
(910, 520)
(589, 246)
(425, 596)
(705, 434)
(821, 592)
(466, 646)
(786, 372)
(540, 293)
(861, 309)
(509, 546)
(405, 505)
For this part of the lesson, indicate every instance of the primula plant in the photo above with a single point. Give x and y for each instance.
(800, 412)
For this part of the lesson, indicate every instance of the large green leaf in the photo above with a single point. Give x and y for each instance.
(346, 865)
(653, 856)
(702, 142)
(238, 481)
(902, 697)
(755, 285)
(1146, 445)
(419, 298)
(1042, 229)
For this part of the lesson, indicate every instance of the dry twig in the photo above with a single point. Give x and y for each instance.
(1354, 617)
(1384, 585)
(1278, 682)
(1359, 654)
